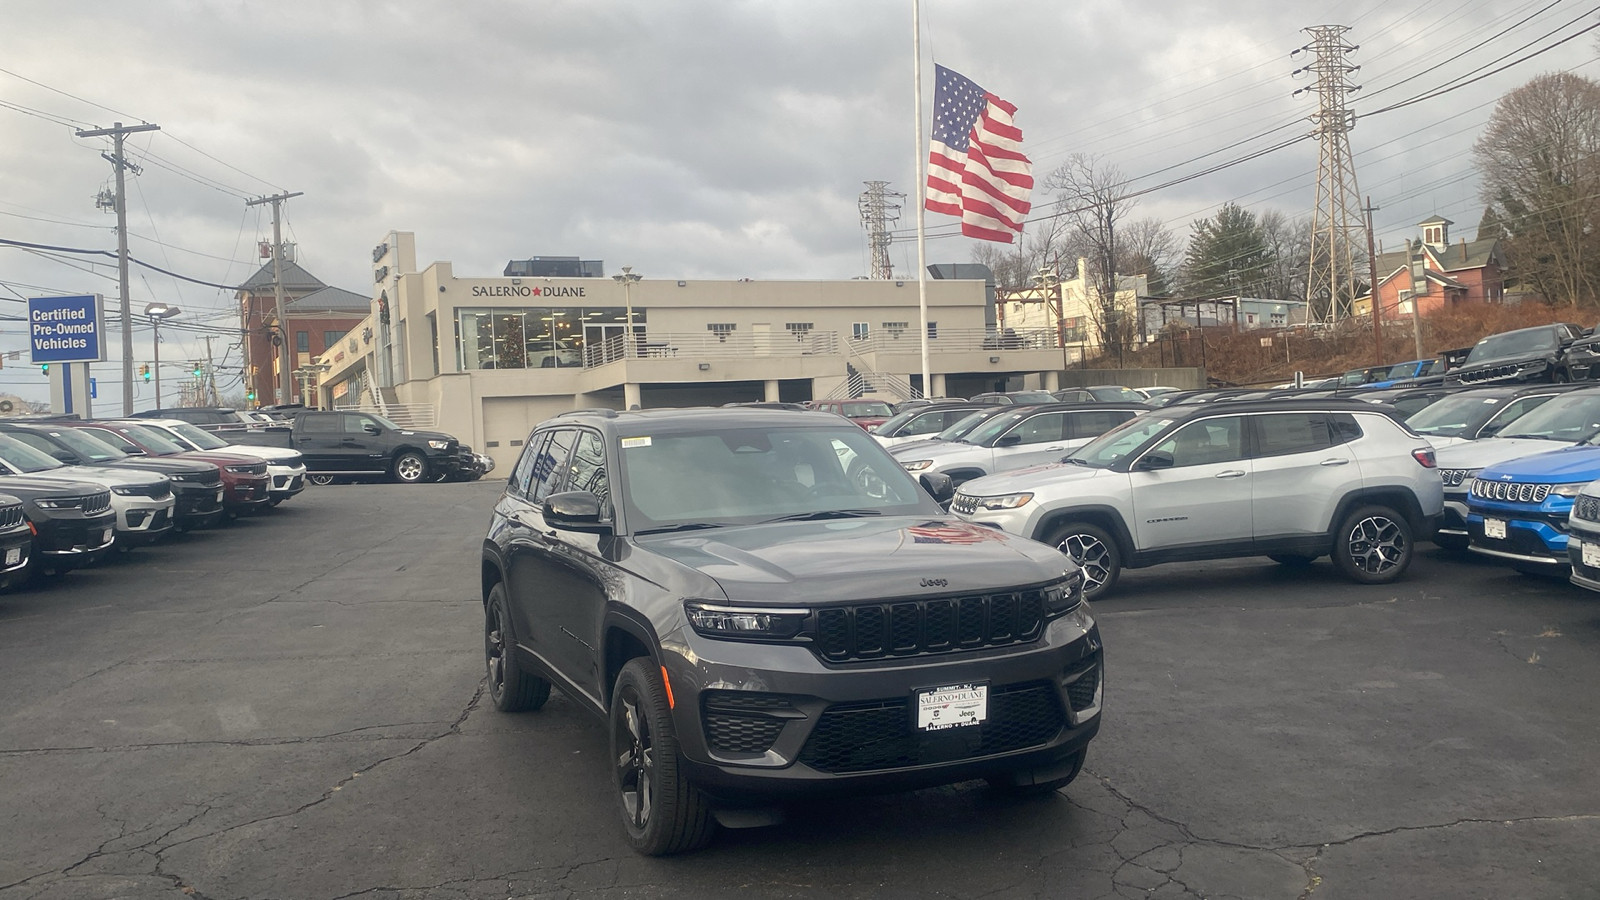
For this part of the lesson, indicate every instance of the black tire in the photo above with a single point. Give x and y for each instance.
(662, 812)
(410, 467)
(318, 478)
(1292, 560)
(1373, 545)
(1095, 552)
(1006, 784)
(510, 688)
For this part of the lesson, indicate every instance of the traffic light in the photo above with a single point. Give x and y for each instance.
(199, 370)
(44, 368)
(251, 396)
(144, 371)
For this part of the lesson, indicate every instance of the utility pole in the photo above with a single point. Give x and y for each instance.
(1372, 279)
(117, 133)
(285, 377)
(211, 373)
(879, 208)
(1338, 198)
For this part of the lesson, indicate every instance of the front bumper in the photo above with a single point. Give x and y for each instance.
(246, 494)
(763, 722)
(1531, 537)
(1583, 576)
(16, 551)
(1454, 522)
(198, 505)
(286, 481)
(142, 520)
(72, 542)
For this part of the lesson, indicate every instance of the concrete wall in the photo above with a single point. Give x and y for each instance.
(1187, 379)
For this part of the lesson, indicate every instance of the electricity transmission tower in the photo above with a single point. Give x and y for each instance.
(880, 208)
(1336, 221)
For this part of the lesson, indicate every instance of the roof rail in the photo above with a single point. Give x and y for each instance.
(601, 411)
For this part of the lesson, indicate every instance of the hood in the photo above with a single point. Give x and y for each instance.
(266, 454)
(1490, 451)
(1569, 464)
(32, 487)
(1440, 442)
(430, 435)
(1034, 479)
(943, 452)
(895, 449)
(860, 559)
(106, 476)
(1517, 360)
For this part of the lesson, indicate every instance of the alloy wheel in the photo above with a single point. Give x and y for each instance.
(636, 765)
(1091, 556)
(1376, 544)
(409, 469)
(494, 648)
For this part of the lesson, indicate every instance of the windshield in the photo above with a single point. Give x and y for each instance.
(896, 421)
(1116, 394)
(866, 408)
(1032, 397)
(87, 447)
(199, 437)
(994, 427)
(1515, 343)
(1453, 416)
(1120, 441)
(25, 459)
(1574, 417)
(155, 440)
(962, 427)
(751, 475)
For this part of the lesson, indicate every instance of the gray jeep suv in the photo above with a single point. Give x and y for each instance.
(755, 622)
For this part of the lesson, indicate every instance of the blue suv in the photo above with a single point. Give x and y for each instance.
(1518, 510)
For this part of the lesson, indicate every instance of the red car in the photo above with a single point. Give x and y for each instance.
(866, 413)
(244, 478)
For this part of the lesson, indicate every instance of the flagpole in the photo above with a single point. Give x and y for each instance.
(922, 196)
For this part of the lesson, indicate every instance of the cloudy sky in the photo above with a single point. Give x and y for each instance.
(687, 139)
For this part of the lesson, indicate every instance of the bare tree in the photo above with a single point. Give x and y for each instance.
(1288, 245)
(1147, 247)
(1045, 245)
(1539, 160)
(1092, 197)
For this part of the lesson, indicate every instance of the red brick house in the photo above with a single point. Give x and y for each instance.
(1438, 274)
(319, 316)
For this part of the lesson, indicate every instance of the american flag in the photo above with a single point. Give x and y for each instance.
(976, 169)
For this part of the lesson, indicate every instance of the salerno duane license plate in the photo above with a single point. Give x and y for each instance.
(952, 706)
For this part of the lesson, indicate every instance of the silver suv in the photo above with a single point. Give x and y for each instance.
(1289, 480)
(1026, 436)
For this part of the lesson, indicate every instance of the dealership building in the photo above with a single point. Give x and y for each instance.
(488, 357)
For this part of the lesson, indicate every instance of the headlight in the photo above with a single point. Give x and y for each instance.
(1567, 490)
(916, 465)
(72, 503)
(243, 469)
(745, 622)
(128, 491)
(1058, 598)
(1005, 501)
(439, 445)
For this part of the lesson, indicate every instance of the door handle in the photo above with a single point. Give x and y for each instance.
(1335, 462)
(1231, 473)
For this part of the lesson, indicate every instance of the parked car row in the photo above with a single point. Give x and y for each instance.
(72, 491)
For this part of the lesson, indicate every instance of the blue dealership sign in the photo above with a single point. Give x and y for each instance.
(66, 329)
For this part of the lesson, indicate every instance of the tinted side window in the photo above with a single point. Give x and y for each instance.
(1343, 428)
(1510, 413)
(1093, 424)
(354, 424)
(927, 423)
(1282, 434)
(1041, 429)
(588, 469)
(35, 441)
(523, 473)
(551, 465)
(1206, 441)
(319, 424)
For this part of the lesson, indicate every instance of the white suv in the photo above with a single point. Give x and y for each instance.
(1027, 436)
(1289, 480)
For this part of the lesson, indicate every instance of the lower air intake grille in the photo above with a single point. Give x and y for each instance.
(862, 737)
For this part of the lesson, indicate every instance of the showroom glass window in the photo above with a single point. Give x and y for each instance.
(535, 337)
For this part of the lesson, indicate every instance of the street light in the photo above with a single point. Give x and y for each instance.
(305, 374)
(628, 278)
(156, 312)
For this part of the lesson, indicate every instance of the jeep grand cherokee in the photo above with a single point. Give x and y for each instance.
(755, 623)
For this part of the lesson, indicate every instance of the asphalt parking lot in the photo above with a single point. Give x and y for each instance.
(291, 708)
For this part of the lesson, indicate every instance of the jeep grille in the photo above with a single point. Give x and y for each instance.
(873, 630)
(1587, 508)
(1510, 491)
(1456, 477)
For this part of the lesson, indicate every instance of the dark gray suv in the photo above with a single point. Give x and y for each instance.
(756, 622)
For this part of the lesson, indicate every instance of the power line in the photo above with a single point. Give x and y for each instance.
(86, 252)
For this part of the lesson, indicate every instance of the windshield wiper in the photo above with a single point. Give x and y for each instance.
(684, 526)
(1076, 461)
(1536, 437)
(825, 514)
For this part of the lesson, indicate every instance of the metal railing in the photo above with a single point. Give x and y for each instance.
(710, 345)
(949, 340)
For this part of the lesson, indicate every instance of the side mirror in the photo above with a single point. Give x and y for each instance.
(372, 429)
(575, 511)
(939, 486)
(1155, 459)
(1010, 440)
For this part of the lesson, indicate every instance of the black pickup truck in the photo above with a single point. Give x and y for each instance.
(360, 445)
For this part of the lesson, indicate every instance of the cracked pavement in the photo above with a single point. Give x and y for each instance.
(291, 708)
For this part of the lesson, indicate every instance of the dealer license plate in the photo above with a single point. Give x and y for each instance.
(1494, 529)
(13, 556)
(1591, 555)
(952, 706)
(105, 536)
